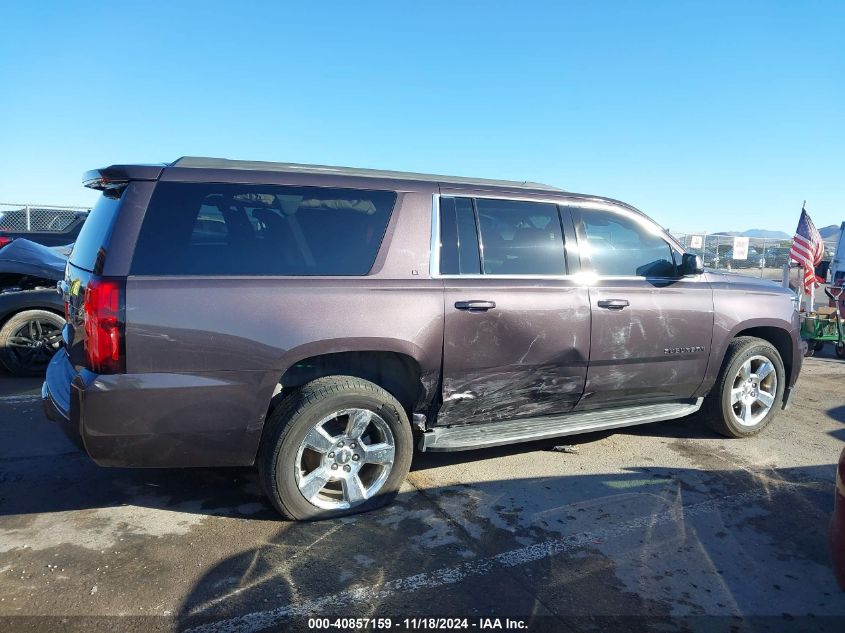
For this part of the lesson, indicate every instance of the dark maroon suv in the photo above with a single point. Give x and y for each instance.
(319, 322)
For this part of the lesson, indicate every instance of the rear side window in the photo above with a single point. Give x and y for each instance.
(500, 237)
(226, 229)
(89, 251)
(520, 238)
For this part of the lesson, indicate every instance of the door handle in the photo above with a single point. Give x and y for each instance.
(613, 304)
(475, 306)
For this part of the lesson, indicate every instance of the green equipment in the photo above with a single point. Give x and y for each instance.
(824, 325)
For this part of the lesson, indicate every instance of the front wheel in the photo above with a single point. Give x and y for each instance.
(749, 390)
(336, 446)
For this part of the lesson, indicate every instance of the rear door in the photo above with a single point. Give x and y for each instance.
(651, 327)
(517, 327)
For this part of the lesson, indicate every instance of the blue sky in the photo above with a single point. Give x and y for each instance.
(706, 115)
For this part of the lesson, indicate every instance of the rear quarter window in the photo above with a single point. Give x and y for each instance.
(92, 242)
(232, 229)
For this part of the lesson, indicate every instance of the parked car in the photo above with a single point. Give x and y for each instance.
(776, 256)
(51, 227)
(837, 524)
(345, 315)
(709, 257)
(723, 255)
(727, 254)
(31, 311)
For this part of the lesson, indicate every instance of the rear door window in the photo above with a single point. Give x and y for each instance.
(228, 229)
(520, 238)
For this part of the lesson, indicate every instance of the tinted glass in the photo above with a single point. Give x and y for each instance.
(619, 245)
(470, 259)
(458, 238)
(225, 229)
(520, 238)
(90, 248)
(448, 237)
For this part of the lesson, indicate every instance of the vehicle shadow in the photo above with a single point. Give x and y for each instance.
(838, 414)
(17, 385)
(50, 474)
(576, 552)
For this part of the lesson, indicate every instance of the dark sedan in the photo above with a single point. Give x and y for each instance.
(31, 311)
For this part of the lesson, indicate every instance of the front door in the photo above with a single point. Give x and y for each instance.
(651, 328)
(516, 335)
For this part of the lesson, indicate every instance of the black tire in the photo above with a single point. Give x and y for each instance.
(840, 350)
(818, 346)
(298, 414)
(23, 361)
(718, 410)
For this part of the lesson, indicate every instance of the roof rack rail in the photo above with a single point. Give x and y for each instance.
(199, 162)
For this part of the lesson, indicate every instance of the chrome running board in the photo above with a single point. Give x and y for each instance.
(481, 435)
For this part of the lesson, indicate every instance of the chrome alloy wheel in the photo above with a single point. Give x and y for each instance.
(345, 459)
(753, 391)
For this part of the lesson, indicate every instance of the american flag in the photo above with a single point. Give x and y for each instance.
(807, 249)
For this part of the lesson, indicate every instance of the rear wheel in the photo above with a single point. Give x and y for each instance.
(840, 350)
(749, 390)
(28, 341)
(338, 445)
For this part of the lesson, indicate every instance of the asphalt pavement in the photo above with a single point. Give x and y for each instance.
(660, 527)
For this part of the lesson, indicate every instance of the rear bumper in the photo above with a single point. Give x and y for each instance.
(56, 399)
(159, 419)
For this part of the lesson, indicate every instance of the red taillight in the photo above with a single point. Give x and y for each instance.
(103, 311)
(5, 240)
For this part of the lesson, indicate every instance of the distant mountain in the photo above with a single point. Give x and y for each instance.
(830, 232)
(775, 235)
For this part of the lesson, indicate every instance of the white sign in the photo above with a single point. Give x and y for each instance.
(696, 241)
(740, 248)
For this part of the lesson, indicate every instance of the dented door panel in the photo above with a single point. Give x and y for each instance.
(655, 348)
(526, 357)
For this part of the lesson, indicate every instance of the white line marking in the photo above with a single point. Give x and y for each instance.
(17, 399)
(450, 575)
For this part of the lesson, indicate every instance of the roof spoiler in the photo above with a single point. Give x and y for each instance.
(115, 178)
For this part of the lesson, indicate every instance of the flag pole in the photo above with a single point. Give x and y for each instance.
(810, 295)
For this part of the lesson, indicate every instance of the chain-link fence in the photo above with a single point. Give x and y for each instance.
(759, 256)
(38, 218)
